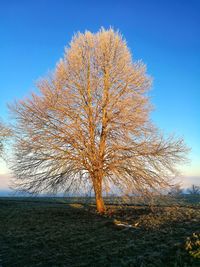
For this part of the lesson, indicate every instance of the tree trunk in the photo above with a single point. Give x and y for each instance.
(98, 196)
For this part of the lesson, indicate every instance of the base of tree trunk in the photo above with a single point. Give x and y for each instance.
(100, 205)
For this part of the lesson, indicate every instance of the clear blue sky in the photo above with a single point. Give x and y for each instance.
(164, 34)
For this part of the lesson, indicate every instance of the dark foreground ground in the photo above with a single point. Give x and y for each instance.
(54, 232)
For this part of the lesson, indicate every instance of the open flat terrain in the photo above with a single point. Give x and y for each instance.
(68, 232)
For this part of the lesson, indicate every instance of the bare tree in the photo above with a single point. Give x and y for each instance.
(90, 125)
(194, 190)
(5, 134)
(176, 190)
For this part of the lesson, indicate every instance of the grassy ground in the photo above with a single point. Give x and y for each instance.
(55, 232)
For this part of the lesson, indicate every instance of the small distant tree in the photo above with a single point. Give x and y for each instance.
(90, 125)
(176, 190)
(194, 190)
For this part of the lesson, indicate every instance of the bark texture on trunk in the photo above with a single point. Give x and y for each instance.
(98, 195)
(100, 204)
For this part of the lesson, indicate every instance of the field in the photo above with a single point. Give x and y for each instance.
(68, 232)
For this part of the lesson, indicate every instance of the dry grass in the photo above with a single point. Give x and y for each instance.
(54, 232)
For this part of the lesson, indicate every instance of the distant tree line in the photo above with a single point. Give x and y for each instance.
(177, 190)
